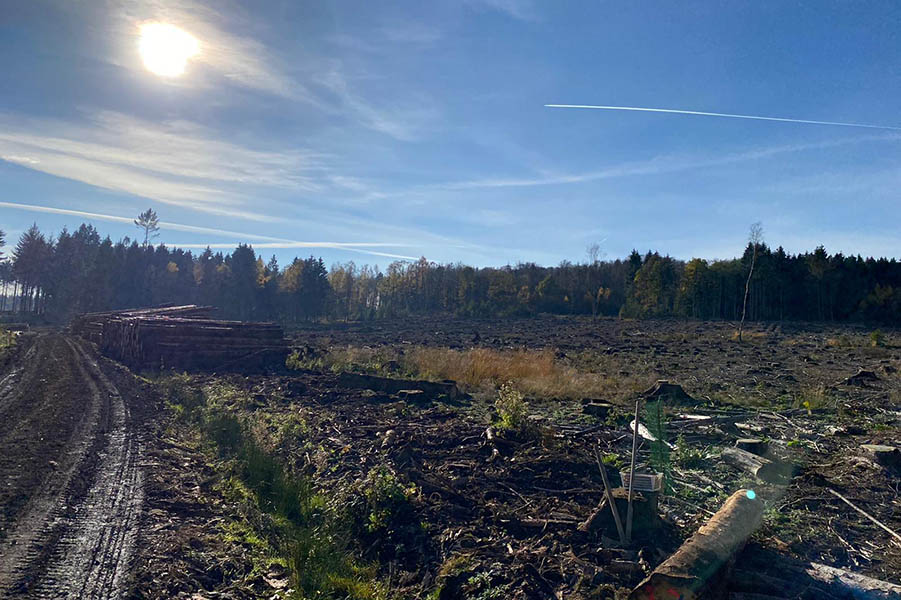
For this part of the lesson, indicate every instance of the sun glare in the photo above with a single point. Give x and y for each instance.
(166, 49)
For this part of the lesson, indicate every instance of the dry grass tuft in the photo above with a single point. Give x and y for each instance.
(536, 373)
(750, 335)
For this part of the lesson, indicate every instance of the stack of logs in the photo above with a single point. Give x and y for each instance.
(90, 325)
(183, 338)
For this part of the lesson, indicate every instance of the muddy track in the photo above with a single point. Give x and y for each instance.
(71, 486)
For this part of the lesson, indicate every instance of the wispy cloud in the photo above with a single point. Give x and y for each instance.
(410, 32)
(175, 163)
(404, 120)
(523, 10)
(657, 165)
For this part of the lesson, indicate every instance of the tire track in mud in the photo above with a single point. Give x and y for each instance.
(75, 536)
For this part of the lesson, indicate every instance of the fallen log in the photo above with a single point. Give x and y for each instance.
(854, 584)
(180, 337)
(392, 386)
(799, 580)
(762, 468)
(597, 409)
(701, 564)
(492, 440)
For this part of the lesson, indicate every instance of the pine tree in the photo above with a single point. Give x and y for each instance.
(150, 223)
(243, 284)
(31, 261)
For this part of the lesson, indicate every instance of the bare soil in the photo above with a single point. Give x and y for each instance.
(71, 490)
(510, 524)
(103, 493)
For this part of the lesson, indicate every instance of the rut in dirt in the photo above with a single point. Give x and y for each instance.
(70, 486)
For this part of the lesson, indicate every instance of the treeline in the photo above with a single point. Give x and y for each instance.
(79, 272)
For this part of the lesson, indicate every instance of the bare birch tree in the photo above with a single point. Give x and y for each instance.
(755, 237)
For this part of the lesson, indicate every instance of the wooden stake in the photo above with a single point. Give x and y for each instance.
(609, 496)
(632, 472)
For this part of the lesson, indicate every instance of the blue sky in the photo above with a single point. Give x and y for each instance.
(371, 130)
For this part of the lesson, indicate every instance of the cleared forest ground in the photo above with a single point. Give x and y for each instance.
(450, 513)
(353, 475)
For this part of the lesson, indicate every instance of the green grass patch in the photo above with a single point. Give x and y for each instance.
(301, 529)
(7, 340)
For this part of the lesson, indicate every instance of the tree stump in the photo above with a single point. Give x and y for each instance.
(645, 518)
(670, 392)
(861, 378)
(887, 456)
(752, 445)
(597, 409)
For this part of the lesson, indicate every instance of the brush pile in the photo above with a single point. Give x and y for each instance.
(183, 338)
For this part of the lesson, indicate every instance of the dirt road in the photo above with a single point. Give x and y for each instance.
(70, 485)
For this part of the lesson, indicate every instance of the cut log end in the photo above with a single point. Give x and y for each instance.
(762, 468)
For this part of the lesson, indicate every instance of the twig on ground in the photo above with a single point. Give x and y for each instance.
(866, 514)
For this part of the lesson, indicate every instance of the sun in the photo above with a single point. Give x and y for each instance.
(166, 49)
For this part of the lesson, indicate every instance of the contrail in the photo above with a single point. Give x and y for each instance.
(286, 246)
(268, 241)
(714, 114)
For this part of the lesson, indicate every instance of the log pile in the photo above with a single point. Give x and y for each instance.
(179, 338)
(90, 325)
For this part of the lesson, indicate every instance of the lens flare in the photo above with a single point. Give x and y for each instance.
(751, 494)
(166, 49)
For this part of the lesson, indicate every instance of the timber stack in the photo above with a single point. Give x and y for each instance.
(183, 338)
(90, 325)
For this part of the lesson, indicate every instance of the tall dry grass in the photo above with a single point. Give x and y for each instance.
(536, 373)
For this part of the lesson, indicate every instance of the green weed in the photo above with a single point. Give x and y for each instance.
(511, 408)
(686, 455)
(877, 339)
(182, 398)
(814, 397)
(613, 460)
(379, 513)
(7, 340)
(482, 587)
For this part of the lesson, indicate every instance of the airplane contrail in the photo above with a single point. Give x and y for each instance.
(268, 241)
(715, 114)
